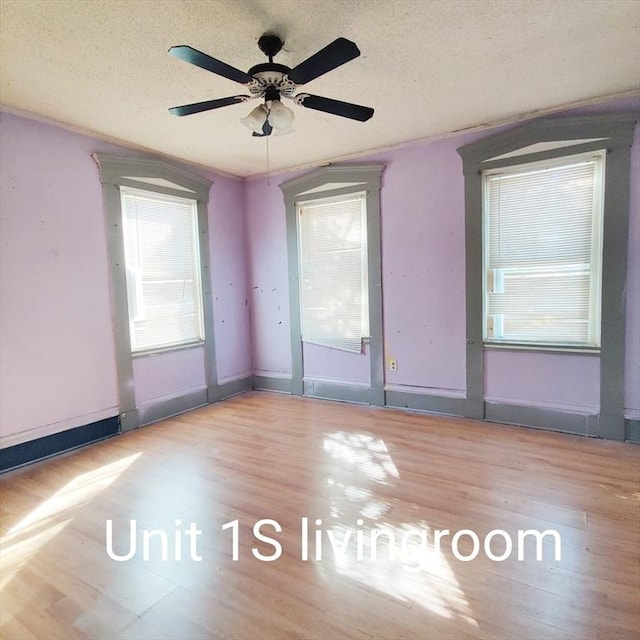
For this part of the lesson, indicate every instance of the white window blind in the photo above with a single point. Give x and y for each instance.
(333, 272)
(543, 252)
(163, 270)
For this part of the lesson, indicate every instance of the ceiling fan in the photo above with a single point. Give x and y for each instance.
(273, 81)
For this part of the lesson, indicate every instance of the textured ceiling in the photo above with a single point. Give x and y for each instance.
(428, 67)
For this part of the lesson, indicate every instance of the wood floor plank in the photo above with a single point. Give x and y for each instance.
(357, 470)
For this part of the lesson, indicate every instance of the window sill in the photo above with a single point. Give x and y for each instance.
(587, 351)
(161, 350)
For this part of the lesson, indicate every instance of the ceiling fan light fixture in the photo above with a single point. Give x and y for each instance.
(256, 119)
(280, 117)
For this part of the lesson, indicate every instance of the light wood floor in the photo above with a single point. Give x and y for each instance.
(284, 458)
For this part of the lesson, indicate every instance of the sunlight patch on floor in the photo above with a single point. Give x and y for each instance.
(404, 568)
(40, 526)
(363, 453)
(635, 496)
(397, 559)
(78, 491)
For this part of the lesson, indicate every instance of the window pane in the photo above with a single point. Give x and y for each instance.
(333, 272)
(163, 270)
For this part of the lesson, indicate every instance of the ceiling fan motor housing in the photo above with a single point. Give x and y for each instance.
(271, 83)
(270, 44)
(271, 79)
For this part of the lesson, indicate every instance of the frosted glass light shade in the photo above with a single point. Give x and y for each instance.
(280, 117)
(256, 119)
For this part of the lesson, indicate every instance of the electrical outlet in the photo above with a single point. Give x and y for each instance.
(393, 364)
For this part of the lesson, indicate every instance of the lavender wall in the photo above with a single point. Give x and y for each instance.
(268, 278)
(632, 364)
(58, 366)
(328, 365)
(557, 381)
(423, 257)
(423, 254)
(227, 246)
(164, 376)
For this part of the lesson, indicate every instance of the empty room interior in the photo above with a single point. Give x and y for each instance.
(320, 319)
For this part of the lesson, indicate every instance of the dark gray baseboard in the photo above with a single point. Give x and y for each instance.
(341, 392)
(56, 443)
(129, 420)
(582, 424)
(235, 387)
(268, 383)
(429, 403)
(172, 407)
(632, 430)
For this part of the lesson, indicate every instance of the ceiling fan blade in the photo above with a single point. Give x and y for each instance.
(197, 107)
(332, 56)
(202, 60)
(336, 107)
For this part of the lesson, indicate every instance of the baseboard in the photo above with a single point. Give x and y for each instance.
(153, 412)
(272, 383)
(632, 430)
(521, 415)
(40, 448)
(359, 394)
(235, 387)
(583, 424)
(447, 405)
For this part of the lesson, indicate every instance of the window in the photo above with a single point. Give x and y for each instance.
(158, 243)
(333, 271)
(164, 292)
(335, 275)
(600, 326)
(542, 253)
